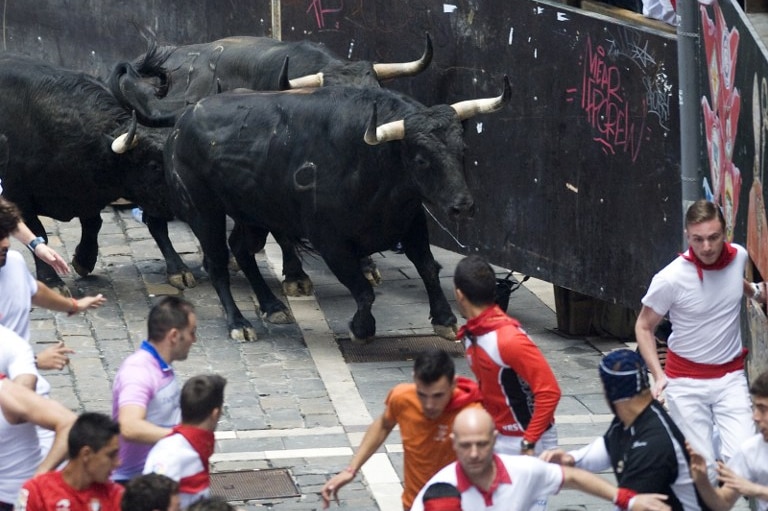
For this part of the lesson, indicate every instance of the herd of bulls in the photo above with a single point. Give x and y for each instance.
(329, 159)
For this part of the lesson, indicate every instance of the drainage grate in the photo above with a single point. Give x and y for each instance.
(394, 349)
(273, 483)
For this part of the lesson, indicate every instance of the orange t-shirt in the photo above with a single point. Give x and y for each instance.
(426, 443)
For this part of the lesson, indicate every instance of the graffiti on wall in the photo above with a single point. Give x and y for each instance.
(622, 123)
(321, 10)
(721, 113)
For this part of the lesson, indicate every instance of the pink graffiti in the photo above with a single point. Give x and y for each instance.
(321, 11)
(607, 110)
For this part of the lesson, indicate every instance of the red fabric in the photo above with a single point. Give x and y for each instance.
(466, 392)
(49, 492)
(463, 482)
(203, 442)
(489, 320)
(623, 496)
(443, 504)
(726, 256)
(527, 411)
(679, 367)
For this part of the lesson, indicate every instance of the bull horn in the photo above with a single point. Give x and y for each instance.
(387, 71)
(283, 83)
(472, 107)
(315, 80)
(128, 140)
(374, 135)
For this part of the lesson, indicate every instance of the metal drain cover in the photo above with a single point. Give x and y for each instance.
(395, 349)
(272, 483)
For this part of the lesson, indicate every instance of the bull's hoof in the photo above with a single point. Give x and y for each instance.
(373, 275)
(80, 269)
(357, 340)
(299, 287)
(244, 334)
(182, 280)
(280, 317)
(446, 332)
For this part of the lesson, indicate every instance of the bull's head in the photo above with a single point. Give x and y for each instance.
(433, 152)
(380, 71)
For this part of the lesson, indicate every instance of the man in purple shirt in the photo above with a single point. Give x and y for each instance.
(145, 394)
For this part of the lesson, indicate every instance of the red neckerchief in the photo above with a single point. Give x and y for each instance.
(489, 320)
(466, 392)
(726, 256)
(200, 439)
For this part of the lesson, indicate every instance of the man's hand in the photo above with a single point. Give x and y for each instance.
(657, 391)
(52, 258)
(649, 502)
(90, 302)
(54, 357)
(697, 464)
(331, 488)
(557, 456)
(731, 480)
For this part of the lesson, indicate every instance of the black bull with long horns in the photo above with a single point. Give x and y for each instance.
(315, 165)
(195, 71)
(61, 156)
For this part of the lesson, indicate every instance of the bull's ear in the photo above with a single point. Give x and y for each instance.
(282, 81)
(370, 132)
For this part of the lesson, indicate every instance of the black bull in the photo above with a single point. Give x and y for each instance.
(195, 71)
(57, 127)
(297, 164)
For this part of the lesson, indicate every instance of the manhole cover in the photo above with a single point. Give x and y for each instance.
(273, 483)
(394, 349)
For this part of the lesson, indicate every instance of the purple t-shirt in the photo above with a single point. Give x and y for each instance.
(141, 381)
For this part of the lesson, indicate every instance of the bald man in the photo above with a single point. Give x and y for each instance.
(517, 483)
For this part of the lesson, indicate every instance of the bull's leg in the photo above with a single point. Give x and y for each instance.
(416, 246)
(87, 250)
(346, 267)
(242, 241)
(297, 282)
(179, 275)
(45, 273)
(211, 233)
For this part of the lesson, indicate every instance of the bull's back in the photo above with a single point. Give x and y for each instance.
(264, 155)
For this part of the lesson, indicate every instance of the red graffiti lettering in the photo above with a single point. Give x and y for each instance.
(606, 109)
(321, 11)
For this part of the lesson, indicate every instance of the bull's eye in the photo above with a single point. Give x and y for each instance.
(420, 162)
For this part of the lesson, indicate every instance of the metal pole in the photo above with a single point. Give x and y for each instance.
(688, 65)
(277, 30)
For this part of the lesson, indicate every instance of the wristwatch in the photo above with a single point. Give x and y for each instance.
(525, 445)
(34, 243)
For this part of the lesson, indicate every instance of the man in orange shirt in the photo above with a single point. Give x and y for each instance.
(424, 410)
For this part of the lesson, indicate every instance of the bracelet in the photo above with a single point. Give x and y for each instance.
(623, 498)
(76, 308)
(32, 245)
(351, 470)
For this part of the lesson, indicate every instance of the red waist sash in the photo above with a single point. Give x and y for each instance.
(679, 367)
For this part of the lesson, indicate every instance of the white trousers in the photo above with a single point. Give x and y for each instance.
(506, 444)
(697, 406)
